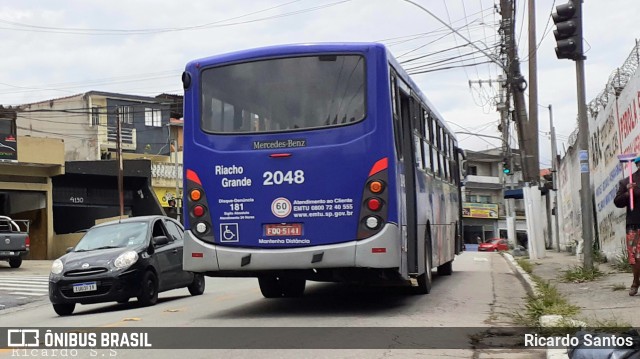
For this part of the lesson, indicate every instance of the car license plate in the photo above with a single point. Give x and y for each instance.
(283, 229)
(85, 287)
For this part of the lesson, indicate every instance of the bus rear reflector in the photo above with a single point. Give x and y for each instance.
(381, 165)
(279, 155)
(197, 255)
(192, 176)
(378, 250)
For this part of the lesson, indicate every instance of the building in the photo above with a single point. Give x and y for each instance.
(151, 131)
(27, 167)
(485, 208)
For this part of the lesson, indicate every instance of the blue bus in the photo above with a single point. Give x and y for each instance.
(320, 162)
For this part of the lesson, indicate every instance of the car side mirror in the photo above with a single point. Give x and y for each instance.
(69, 249)
(160, 240)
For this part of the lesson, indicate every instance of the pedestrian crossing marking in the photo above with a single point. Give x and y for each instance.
(34, 286)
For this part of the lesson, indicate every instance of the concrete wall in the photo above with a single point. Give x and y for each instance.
(63, 241)
(70, 121)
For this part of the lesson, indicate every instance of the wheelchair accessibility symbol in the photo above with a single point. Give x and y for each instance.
(229, 232)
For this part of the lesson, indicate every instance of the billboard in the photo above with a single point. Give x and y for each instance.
(480, 210)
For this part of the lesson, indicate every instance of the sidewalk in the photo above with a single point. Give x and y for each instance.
(597, 300)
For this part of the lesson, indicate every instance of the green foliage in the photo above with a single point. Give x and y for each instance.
(549, 301)
(525, 265)
(619, 286)
(579, 274)
(621, 263)
(599, 257)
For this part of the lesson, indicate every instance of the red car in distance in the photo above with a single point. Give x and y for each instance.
(494, 245)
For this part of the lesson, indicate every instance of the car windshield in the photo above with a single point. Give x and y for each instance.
(118, 235)
(495, 241)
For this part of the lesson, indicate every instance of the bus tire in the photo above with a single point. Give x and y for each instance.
(425, 279)
(291, 287)
(270, 287)
(445, 269)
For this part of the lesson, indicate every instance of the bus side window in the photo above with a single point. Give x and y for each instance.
(429, 125)
(397, 125)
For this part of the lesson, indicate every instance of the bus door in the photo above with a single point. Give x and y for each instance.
(408, 159)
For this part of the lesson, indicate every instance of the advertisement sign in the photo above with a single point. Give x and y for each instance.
(480, 210)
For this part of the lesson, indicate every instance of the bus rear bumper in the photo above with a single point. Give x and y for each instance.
(383, 250)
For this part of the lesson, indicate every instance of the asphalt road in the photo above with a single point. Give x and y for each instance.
(482, 292)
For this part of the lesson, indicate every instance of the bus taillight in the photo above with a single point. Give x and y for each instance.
(195, 195)
(376, 186)
(374, 204)
(197, 207)
(372, 222)
(373, 211)
(198, 211)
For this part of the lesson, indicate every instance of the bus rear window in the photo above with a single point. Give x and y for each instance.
(285, 94)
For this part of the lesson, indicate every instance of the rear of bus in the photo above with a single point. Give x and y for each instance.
(289, 165)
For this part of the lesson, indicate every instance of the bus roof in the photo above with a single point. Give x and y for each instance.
(302, 48)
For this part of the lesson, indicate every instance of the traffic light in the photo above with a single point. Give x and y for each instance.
(568, 32)
(506, 169)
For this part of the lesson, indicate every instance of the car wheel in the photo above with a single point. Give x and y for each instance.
(149, 291)
(64, 308)
(197, 286)
(495, 249)
(15, 262)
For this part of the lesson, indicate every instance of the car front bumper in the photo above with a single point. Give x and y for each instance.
(110, 287)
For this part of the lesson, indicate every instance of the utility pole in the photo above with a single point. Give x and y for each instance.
(585, 183)
(518, 85)
(533, 158)
(120, 166)
(568, 34)
(554, 173)
(175, 162)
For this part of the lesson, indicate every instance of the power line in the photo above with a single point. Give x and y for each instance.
(149, 31)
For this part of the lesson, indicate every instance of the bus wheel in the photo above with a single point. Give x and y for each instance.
(424, 279)
(292, 287)
(445, 269)
(270, 287)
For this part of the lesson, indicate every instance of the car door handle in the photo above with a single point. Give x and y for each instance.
(175, 250)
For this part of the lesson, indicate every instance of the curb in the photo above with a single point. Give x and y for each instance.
(531, 289)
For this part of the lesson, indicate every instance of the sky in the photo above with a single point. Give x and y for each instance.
(56, 49)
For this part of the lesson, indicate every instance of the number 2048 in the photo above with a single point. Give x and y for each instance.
(279, 177)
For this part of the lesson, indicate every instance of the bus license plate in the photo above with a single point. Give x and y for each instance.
(283, 229)
(85, 287)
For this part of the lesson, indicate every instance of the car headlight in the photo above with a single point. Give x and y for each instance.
(57, 266)
(126, 259)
